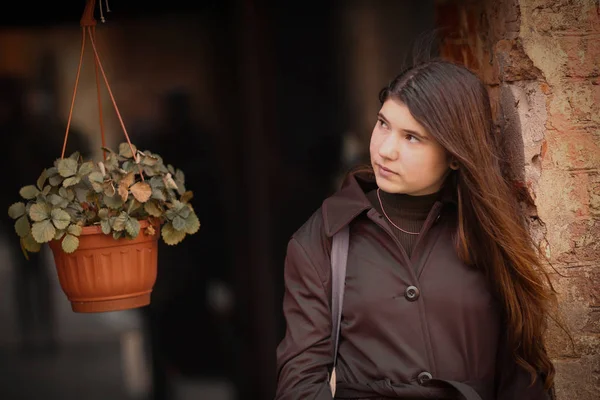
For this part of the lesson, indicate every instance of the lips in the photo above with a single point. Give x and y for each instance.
(386, 170)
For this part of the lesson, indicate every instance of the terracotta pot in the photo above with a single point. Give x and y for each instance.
(105, 274)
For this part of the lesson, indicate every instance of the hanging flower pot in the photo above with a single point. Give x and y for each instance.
(103, 219)
(106, 274)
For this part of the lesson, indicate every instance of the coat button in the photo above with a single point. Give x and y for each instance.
(424, 377)
(412, 293)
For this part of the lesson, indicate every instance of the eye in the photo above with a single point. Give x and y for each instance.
(383, 124)
(412, 138)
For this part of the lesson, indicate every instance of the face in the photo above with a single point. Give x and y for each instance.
(405, 158)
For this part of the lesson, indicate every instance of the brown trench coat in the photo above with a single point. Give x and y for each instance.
(448, 327)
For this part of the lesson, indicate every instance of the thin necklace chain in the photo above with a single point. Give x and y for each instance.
(388, 218)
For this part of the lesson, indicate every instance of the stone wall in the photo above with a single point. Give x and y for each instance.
(541, 62)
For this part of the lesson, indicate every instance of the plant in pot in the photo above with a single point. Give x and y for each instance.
(102, 222)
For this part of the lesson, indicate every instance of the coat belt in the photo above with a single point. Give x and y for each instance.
(441, 389)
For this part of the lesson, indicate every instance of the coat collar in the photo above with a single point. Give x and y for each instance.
(351, 200)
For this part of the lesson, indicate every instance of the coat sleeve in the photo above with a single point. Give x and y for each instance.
(305, 354)
(513, 381)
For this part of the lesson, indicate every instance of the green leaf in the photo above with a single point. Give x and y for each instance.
(170, 235)
(29, 243)
(117, 234)
(170, 214)
(113, 202)
(67, 167)
(59, 234)
(149, 171)
(150, 160)
(178, 223)
(52, 171)
(55, 180)
(184, 211)
(111, 163)
(43, 231)
(75, 229)
(86, 168)
(96, 176)
(180, 181)
(22, 226)
(47, 190)
(125, 150)
(119, 223)
(103, 213)
(134, 205)
(108, 150)
(158, 194)
(132, 226)
(109, 189)
(74, 180)
(70, 243)
(157, 182)
(16, 210)
(129, 166)
(105, 225)
(58, 201)
(76, 206)
(68, 194)
(192, 224)
(60, 218)
(42, 179)
(161, 168)
(39, 212)
(152, 208)
(98, 187)
(75, 156)
(29, 192)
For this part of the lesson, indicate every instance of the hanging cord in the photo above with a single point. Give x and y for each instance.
(93, 34)
(88, 24)
(101, 13)
(100, 8)
(113, 99)
(74, 94)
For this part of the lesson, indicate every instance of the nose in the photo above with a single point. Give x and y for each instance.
(389, 148)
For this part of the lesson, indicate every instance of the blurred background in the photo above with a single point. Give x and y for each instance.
(263, 104)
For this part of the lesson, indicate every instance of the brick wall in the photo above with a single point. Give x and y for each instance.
(541, 62)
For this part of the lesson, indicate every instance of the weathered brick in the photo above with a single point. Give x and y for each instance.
(575, 297)
(573, 150)
(593, 323)
(586, 248)
(556, 209)
(594, 189)
(583, 54)
(562, 16)
(578, 378)
(576, 104)
(513, 63)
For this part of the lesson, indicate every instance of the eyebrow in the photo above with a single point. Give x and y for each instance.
(408, 131)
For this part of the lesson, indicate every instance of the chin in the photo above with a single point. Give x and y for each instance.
(389, 187)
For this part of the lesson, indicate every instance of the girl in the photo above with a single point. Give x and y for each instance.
(445, 297)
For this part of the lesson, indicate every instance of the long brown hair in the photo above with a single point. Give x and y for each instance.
(452, 104)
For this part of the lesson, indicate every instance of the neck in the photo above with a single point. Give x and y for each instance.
(408, 206)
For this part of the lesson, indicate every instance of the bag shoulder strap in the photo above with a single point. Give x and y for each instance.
(339, 258)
